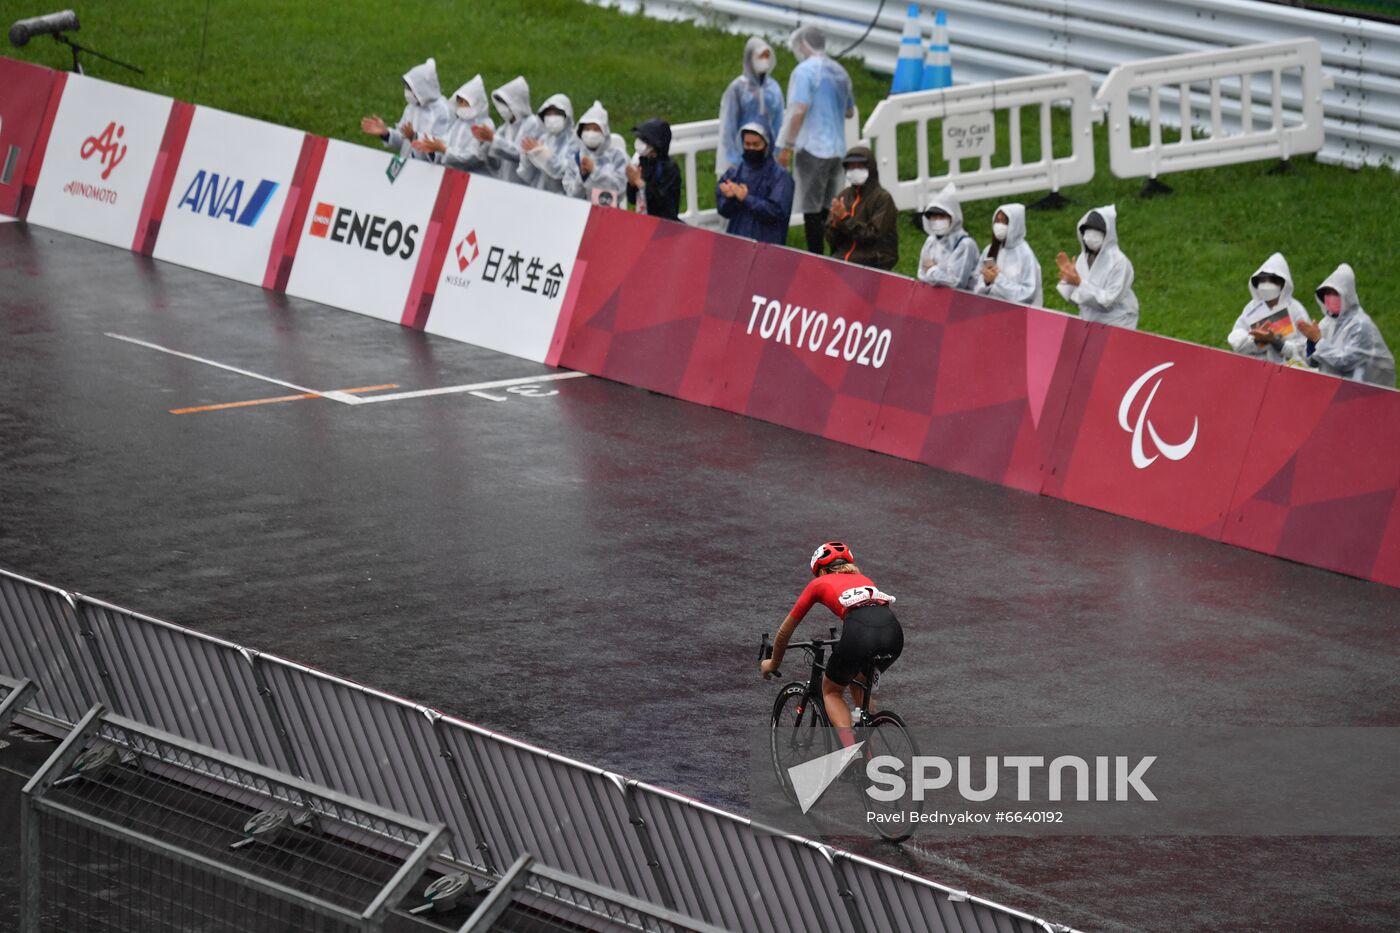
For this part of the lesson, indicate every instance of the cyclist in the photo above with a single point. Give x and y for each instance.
(868, 628)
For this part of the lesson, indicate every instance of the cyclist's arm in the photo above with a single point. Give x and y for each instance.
(780, 641)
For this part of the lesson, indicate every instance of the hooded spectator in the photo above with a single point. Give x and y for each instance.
(654, 179)
(518, 122)
(755, 196)
(863, 227)
(1347, 343)
(1009, 269)
(820, 101)
(545, 158)
(753, 97)
(949, 256)
(459, 148)
(598, 170)
(1268, 327)
(1099, 282)
(425, 112)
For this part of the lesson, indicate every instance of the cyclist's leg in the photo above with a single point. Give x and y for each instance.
(834, 698)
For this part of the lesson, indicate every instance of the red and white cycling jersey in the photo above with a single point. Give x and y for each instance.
(840, 592)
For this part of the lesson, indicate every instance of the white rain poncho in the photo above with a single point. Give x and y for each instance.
(1351, 346)
(1287, 346)
(607, 183)
(750, 98)
(543, 167)
(464, 150)
(430, 116)
(518, 122)
(1018, 272)
(1105, 290)
(950, 259)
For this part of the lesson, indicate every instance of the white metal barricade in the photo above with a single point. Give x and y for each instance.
(980, 103)
(1233, 89)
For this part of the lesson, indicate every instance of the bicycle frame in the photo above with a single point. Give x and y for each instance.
(817, 649)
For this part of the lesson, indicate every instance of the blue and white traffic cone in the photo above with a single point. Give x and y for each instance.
(939, 70)
(909, 67)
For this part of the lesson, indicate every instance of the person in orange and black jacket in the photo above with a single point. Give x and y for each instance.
(862, 228)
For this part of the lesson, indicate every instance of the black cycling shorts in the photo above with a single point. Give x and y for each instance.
(866, 632)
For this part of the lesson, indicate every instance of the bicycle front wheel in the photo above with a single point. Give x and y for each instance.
(885, 733)
(799, 733)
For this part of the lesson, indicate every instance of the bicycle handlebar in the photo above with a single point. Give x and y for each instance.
(765, 648)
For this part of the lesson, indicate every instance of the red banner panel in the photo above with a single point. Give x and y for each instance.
(984, 388)
(1320, 482)
(1157, 429)
(656, 303)
(814, 342)
(24, 102)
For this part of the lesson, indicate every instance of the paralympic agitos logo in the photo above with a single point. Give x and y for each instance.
(368, 231)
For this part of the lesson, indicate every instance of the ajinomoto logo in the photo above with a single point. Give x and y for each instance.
(367, 231)
(107, 146)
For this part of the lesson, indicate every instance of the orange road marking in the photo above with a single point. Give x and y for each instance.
(271, 401)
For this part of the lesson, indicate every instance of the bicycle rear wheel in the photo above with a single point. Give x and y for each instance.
(799, 733)
(885, 733)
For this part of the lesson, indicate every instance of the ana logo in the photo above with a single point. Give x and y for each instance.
(223, 198)
(464, 248)
(107, 144)
(368, 231)
(1170, 451)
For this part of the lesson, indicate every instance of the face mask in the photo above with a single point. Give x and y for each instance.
(1093, 240)
(555, 123)
(640, 147)
(755, 156)
(408, 98)
(762, 66)
(857, 176)
(592, 138)
(464, 112)
(504, 110)
(1000, 230)
(1268, 291)
(939, 227)
(1333, 304)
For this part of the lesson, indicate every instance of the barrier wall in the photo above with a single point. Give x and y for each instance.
(1183, 436)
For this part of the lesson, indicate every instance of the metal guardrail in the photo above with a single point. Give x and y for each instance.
(499, 797)
(993, 41)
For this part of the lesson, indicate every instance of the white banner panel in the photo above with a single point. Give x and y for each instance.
(364, 234)
(228, 195)
(508, 267)
(104, 144)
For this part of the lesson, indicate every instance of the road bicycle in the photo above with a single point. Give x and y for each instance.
(801, 731)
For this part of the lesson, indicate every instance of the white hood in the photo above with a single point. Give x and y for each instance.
(423, 81)
(1343, 282)
(595, 114)
(1015, 224)
(947, 202)
(474, 93)
(513, 99)
(1274, 265)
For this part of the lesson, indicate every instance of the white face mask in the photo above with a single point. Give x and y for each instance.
(857, 176)
(503, 109)
(640, 147)
(408, 98)
(1000, 230)
(592, 138)
(555, 123)
(1093, 240)
(939, 227)
(1269, 291)
(763, 65)
(464, 112)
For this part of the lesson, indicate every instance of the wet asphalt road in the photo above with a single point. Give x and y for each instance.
(590, 570)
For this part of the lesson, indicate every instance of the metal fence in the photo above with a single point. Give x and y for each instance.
(126, 827)
(994, 41)
(500, 798)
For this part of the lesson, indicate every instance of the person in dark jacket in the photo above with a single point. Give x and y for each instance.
(653, 178)
(756, 195)
(863, 225)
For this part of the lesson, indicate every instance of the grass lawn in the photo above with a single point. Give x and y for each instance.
(322, 70)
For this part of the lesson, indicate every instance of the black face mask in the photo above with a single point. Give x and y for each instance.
(755, 157)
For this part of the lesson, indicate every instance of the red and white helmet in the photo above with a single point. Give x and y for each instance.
(830, 553)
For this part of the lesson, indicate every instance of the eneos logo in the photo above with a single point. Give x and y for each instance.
(368, 231)
(221, 197)
(107, 144)
(1170, 451)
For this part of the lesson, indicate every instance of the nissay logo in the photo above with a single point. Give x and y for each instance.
(223, 198)
(369, 231)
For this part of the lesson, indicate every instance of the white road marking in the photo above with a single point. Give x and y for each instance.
(473, 388)
(341, 397)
